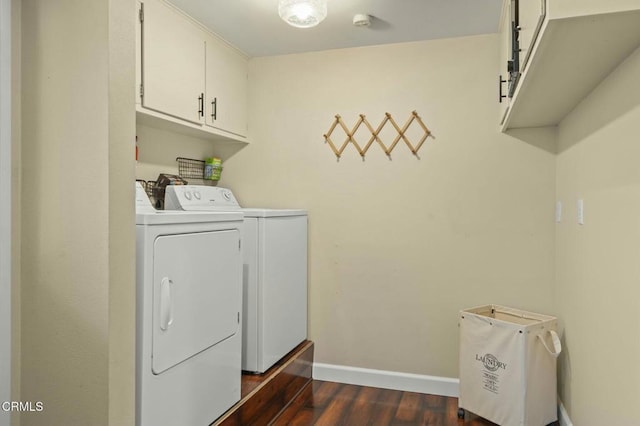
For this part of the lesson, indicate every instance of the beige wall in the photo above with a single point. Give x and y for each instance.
(398, 247)
(77, 216)
(159, 148)
(121, 210)
(16, 221)
(597, 264)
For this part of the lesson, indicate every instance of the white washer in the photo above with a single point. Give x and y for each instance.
(188, 309)
(274, 250)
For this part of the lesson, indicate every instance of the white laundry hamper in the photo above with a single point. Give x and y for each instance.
(508, 365)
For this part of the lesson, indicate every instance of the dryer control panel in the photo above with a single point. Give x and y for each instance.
(199, 197)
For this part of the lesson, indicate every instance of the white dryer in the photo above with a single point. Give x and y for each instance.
(189, 303)
(274, 248)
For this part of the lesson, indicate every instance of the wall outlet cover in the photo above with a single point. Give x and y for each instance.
(580, 212)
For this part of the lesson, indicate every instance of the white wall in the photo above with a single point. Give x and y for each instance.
(598, 267)
(397, 247)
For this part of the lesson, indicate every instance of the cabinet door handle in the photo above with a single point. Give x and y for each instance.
(201, 105)
(214, 108)
(501, 81)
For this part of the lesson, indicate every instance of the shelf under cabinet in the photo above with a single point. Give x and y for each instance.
(571, 57)
(161, 121)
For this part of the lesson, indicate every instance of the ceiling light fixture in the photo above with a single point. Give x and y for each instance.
(302, 13)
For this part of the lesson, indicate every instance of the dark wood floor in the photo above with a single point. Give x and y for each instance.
(265, 395)
(287, 395)
(328, 403)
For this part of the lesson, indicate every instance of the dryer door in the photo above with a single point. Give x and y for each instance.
(197, 294)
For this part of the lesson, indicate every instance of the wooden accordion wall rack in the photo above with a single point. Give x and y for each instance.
(375, 134)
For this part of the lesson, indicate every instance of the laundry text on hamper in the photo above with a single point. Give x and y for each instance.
(490, 362)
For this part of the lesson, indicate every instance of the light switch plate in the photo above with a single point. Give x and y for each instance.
(580, 211)
(558, 211)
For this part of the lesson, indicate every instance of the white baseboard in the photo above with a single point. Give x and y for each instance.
(407, 382)
(433, 385)
(563, 416)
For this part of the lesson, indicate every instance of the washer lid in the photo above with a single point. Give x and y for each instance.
(254, 212)
(165, 217)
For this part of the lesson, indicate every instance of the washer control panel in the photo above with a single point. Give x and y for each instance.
(199, 197)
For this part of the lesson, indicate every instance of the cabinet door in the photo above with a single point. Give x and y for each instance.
(531, 15)
(505, 55)
(173, 60)
(226, 88)
(138, 52)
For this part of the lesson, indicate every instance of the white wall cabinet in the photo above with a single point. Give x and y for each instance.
(505, 55)
(226, 88)
(189, 80)
(519, 26)
(567, 59)
(138, 53)
(173, 63)
(531, 13)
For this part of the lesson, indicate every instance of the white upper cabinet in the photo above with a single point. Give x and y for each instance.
(138, 54)
(226, 88)
(531, 14)
(505, 56)
(189, 81)
(173, 63)
(579, 43)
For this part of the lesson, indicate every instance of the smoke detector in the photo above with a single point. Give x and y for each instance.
(361, 20)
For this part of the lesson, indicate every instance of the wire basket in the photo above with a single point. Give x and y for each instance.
(143, 183)
(152, 189)
(189, 168)
(154, 192)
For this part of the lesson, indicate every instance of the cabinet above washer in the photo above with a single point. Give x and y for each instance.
(577, 47)
(226, 88)
(189, 80)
